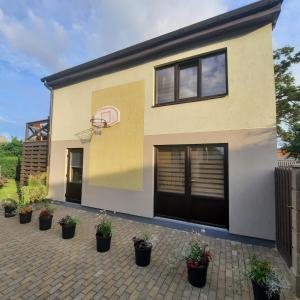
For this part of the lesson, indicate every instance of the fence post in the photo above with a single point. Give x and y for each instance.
(296, 225)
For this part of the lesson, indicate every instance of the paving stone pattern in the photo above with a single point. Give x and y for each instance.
(41, 265)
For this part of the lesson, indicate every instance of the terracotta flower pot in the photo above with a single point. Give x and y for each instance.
(45, 222)
(197, 275)
(103, 243)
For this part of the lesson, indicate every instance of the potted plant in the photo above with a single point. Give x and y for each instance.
(142, 247)
(45, 218)
(197, 261)
(9, 206)
(266, 282)
(68, 225)
(25, 211)
(103, 232)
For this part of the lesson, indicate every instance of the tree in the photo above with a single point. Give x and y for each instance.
(12, 148)
(287, 99)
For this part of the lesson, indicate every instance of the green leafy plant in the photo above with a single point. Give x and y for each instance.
(36, 189)
(37, 179)
(259, 270)
(104, 224)
(197, 254)
(262, 273)
(142, 242)
(47, 211)
(24, 206)
(68, 220)
(9, 202)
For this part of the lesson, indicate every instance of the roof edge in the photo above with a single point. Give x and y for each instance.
(255, 14)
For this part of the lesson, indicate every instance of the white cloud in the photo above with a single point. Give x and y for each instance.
(40, 41)
(125, 22)
(49, 36)
(6, 120)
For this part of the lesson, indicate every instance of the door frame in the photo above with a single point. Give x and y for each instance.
(68, 172)
(187, 181)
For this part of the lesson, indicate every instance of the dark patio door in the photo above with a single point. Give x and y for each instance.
(74, 175)
(191, 183)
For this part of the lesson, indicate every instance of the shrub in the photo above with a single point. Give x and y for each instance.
(37, 179)
(34, 193)
(10, 166)
(36, 189)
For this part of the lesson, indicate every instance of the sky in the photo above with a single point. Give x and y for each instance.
(41, 37)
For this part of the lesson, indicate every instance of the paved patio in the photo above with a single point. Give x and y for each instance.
(41, 265)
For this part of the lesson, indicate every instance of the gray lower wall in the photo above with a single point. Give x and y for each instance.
(252, 158)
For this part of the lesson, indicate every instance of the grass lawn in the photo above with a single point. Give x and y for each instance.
(9, 190)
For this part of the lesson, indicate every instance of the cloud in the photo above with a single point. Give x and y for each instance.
(125, 22)
(40, 41)
(48, 36)
(6, 120)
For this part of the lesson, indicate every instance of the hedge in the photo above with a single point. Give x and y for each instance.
(10, 166)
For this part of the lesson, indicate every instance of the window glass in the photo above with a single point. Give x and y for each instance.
(213, 81)
(171, 170)
(165, 83)
(188, 82)
(207, 171)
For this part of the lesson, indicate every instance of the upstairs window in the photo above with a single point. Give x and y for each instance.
(165, 85)
(196, 79)
(188, 81)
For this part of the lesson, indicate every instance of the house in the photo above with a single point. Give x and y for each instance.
(189, 126)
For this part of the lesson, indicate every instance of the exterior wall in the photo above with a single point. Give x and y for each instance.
(245, 119)
(116, 157)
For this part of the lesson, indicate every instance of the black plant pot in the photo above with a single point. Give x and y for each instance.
(197, 275)
(25, 218)
(143, 256)
(68, 231)
(260, 292)
(9, 211)
(45, 222)
(103, 243)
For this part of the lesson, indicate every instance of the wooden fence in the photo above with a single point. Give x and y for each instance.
(283, 189)
(34, 158)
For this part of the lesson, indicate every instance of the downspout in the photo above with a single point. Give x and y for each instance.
(49, 131)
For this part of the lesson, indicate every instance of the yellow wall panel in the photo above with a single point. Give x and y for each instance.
(116, 156)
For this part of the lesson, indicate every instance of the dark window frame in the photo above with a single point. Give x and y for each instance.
(196, 60)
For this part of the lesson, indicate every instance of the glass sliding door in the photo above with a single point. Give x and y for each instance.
(191, 183)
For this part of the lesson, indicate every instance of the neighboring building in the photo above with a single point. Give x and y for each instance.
(196, 135)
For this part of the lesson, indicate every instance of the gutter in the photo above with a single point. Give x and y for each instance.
(232, 23)
(49, 131)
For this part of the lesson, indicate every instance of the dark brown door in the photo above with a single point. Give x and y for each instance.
(74, 175)
(191, 183)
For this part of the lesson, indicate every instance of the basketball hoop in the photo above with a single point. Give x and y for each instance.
(98, 124)
(85, 136)
(105, 117)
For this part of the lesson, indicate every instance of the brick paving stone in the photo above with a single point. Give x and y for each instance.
(41, 265)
